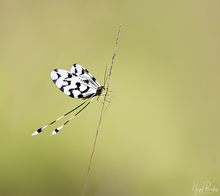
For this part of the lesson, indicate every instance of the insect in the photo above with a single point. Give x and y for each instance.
(76, 83)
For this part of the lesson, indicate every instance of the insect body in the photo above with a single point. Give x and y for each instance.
(76, 83)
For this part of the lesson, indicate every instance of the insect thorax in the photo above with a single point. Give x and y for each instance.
(99, 90)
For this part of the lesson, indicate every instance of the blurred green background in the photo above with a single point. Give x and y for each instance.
(161, 131)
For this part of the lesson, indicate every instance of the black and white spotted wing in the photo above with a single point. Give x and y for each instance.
(76, 83)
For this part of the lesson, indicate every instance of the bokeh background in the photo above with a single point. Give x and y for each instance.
(161, 131)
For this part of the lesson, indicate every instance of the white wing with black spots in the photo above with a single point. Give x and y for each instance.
(84, 74)
(78, 83)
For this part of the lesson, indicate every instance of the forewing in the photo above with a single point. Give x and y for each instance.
(85, 75)
(71, 84)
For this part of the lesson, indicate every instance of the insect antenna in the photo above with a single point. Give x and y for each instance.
(42, 128)
(59, 128)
